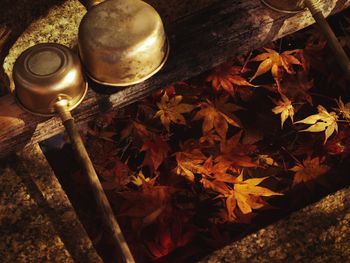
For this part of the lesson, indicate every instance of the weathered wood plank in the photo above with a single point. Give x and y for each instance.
(198, 42)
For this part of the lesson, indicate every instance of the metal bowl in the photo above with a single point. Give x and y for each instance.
(122, 42)
(46, 73)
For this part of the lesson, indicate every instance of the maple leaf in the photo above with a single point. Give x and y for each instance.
(343, 109)
(285, 108)
(190, 163)
(217, 116)
(146, 206)
(115, 174)
(340, 144)
(156, 151)
(236, 153)
(227, 77)
(323, 121)
(246, 195)
(139, 179)
(265, 161)
(310, 169)
(215, 176)
(169, 236)
(136, 130)
(274, 61)
(209, 138)
(171, 109)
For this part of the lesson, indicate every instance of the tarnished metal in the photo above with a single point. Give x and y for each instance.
(122, 42)
(285, 6)
(46, 73)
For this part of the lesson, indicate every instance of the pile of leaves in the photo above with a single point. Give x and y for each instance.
(187, 167)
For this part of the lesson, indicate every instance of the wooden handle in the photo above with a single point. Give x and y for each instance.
(101, 199)
(328, 33)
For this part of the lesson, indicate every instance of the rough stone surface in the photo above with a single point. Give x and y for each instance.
(37, 221)
(60, 25)
(317, 233)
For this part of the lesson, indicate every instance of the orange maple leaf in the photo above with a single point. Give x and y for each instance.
(246, 195)
(171, 110)
(217, 116)
(276, 62)
(309, 170)
(190, 163)
(215, 176)
(236, 153)
(227, 77)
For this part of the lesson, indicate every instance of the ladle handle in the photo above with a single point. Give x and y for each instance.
(328, 33)
(101, 199)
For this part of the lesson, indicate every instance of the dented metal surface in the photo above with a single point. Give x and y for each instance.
(122, 42)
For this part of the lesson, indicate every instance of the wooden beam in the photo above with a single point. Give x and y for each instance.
(197, 43)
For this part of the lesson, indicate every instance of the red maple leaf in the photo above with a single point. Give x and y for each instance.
(156, 152)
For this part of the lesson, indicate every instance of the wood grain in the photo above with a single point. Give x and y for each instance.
(198, 42)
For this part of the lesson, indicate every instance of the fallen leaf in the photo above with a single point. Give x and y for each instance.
(274, 61)
(139, 179)
(156, 151)
(285, 108)
(236, 153)
(171, 110)
(343, 109)
(115, 173)
(246, 195)
(218, 116)
(265, 160)
(190, 163)
(228, 78)
(309, 170)
(323, 121)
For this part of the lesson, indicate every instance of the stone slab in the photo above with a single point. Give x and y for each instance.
(37, 221)
(317, 233)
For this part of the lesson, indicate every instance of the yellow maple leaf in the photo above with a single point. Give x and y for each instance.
(138, 179)
(217, 116)
(322, 121)
(171, 109)
(310, 169)
(274, 61)
(265, 160)
(246, 195)
(285, 108)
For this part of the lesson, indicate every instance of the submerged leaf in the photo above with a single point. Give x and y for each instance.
(217, 116)
(309, 170)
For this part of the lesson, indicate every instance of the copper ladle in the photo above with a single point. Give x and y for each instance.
(295, 6)
(48, 80)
